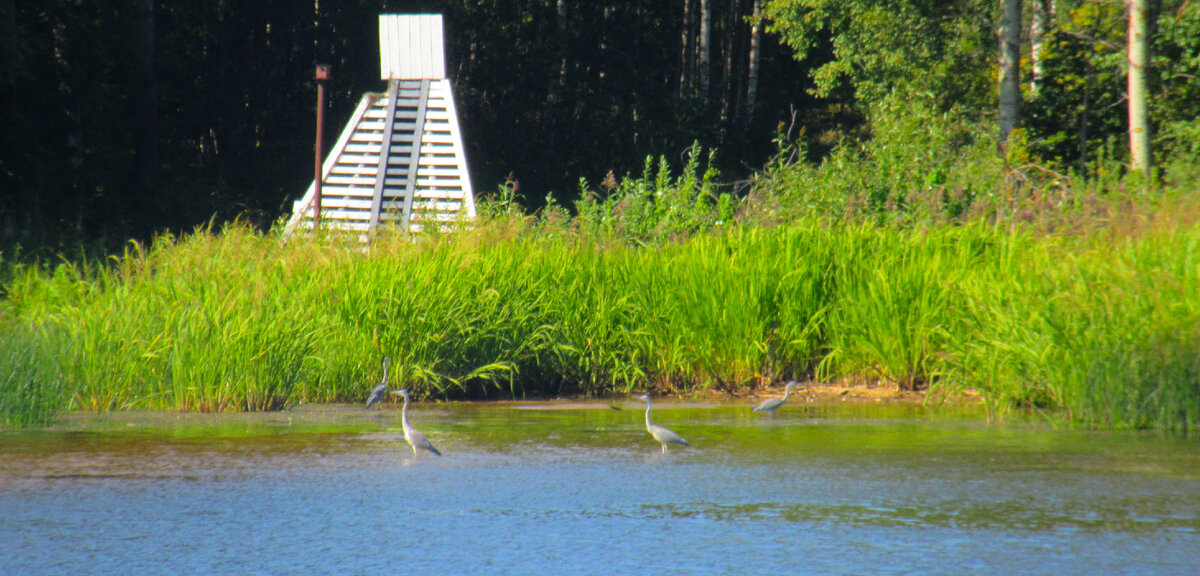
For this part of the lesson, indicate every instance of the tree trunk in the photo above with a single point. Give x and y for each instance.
(756, 32)
(558, 81)
(730, 94)
(1139, 114)
(1041, 20)
(8, 42)
(1010, 69)
(687, 58)
(147, 100)
(705, 49)
(1083, 122)
(72, 79)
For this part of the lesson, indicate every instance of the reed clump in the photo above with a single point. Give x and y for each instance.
(31, 384)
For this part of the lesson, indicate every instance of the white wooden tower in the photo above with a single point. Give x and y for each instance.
(399, 161)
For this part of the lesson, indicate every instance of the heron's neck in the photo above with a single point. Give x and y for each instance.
(404, 413)
(647, 414)
(787, 391)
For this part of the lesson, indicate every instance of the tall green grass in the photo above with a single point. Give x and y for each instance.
(866, 267)
(1107, 328)
(31, 382)
(1103, 326)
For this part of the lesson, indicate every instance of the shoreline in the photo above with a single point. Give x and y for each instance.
(808, 395)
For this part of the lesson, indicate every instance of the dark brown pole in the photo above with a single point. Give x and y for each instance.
(319, 172)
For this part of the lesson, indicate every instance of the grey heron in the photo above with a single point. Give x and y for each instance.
(659, 433)
(381, 387)
(772, 404)
(414, 437)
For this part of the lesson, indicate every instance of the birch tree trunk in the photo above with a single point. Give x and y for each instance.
(756, 32)
(687, 58)
(1139, 48)
(559, 81)
(1040, 20)
(1010, 69)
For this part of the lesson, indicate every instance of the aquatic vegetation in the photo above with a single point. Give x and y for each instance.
(1101, 325)
(31, 383)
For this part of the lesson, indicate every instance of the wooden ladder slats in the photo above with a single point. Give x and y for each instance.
(399, 160)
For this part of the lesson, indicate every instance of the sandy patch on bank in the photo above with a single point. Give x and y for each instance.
(814, 394)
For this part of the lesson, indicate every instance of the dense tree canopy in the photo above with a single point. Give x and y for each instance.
(129, 117)
(124, 118)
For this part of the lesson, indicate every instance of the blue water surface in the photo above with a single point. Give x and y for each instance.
(334, 490)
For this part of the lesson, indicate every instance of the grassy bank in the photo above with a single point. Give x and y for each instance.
(1101, 324)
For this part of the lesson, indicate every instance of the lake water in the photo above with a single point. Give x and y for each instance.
(526, 489)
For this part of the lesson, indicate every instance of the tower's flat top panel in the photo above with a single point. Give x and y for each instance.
(410, 47)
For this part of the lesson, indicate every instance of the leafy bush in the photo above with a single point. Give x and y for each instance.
(657, 205)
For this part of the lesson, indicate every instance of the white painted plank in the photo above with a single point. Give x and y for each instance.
(360, 169)
(437, 160)
(333, 191)
(354, 148)
(378, 137)
(405, 113)
(358, 159)
(437, 44)
(355, 208)
(434, 172)
(424, 48)
(459, 152)
(409, 67)
(437, 138)
(435, 216)
(348, 180)
(411, 46)
(386, 41)
(330, 161)
(445, 194)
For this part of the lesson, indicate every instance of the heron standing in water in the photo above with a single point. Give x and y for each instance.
(772, 404)
(659, 433)
(381, 387)
(415, 438)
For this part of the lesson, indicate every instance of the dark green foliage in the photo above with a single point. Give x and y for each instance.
(1177, 62)
(657, 206)
(1076, 109)
(118, 125)
(919, 164)
(879, 48)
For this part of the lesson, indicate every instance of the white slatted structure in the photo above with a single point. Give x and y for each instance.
(410, 47)
(400, 159)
